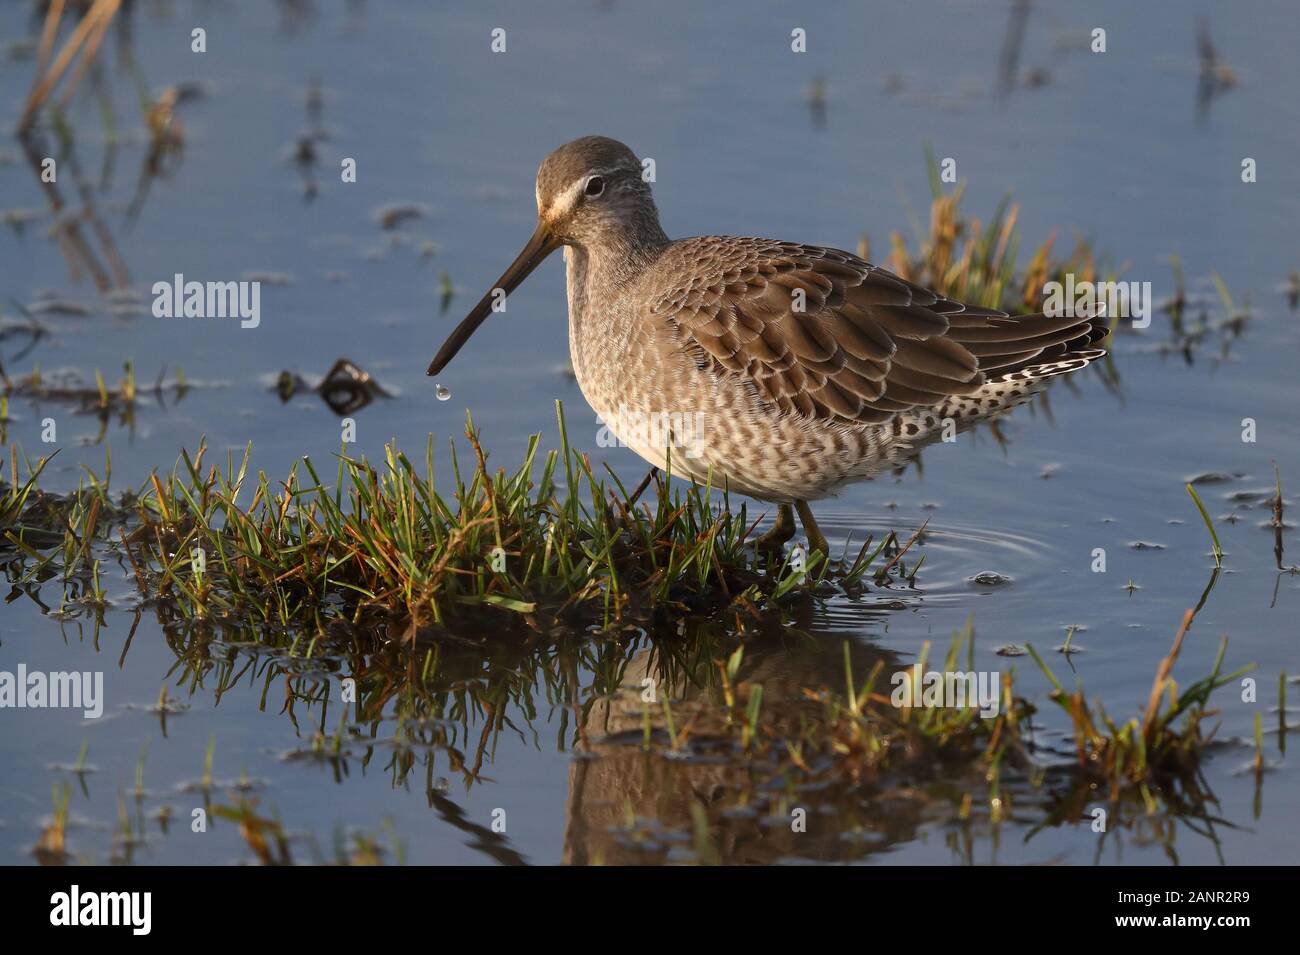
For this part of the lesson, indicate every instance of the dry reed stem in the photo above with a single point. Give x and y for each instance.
(102, 11)
(1162, 673)
(87, 58)
(53, 16)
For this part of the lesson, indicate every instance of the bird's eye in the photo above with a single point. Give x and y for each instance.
(594, 187)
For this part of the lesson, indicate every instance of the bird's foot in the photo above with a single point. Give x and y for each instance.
(780, 533)
(816, 539)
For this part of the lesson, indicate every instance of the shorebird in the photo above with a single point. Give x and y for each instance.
(799, 368)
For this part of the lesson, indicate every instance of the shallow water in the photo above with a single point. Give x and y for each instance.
(1112, 147)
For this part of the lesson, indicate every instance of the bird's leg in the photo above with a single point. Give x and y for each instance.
(815, 536)
(780, 532)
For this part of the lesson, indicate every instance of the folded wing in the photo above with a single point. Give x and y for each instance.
(824, 335)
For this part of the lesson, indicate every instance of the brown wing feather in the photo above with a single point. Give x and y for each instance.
(865, 344)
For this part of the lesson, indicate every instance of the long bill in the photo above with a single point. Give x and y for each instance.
(538, 248)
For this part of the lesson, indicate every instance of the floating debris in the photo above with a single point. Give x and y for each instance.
(287, 384)
(1214, 477)
(304, 151)
(1216, 77)
(394, 214)
(56, 306)
(1036, 78)
(1010, 650)
(1253, 496)
(347, 388)
(817, 101)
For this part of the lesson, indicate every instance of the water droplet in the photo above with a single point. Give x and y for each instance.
(443, 392)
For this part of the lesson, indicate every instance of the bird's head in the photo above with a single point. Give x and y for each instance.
(588, 191)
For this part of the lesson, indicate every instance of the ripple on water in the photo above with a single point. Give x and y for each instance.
(959, 555)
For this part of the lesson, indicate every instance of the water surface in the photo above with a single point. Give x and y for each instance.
(1111, 147)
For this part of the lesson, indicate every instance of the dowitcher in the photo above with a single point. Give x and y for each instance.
(806, 368)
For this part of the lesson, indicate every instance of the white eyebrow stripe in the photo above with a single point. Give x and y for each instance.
(566, 200)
